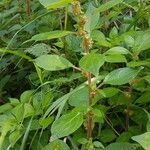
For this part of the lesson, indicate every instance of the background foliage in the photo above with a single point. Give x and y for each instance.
(43, 85)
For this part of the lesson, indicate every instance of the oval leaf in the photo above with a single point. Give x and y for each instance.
(107, 5)
(49, 35)
(120, 146)
(56, 145)
(52, 62)
(121, 76)
(92, 63)
(66, 124)
(49, 4)
(79, 98)
(115, 58)
(143, 140)
(117, 50)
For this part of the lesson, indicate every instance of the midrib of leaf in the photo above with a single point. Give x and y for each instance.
(57, 4)
(70, 121)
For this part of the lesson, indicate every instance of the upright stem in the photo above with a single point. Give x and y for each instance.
(89, 114)
(28, 8)
(86, 45)
(128, 95)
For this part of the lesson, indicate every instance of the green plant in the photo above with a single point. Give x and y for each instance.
(87, 67)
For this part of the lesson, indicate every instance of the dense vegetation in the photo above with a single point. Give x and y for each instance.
(75, 75)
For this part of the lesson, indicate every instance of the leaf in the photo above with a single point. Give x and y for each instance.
(98, 144)
(39, 49)
(99, 37)
(92, 63)
(144, 98)
(113, 33)
(73, 43)
(28, 110)
(120, 146)
(27, 130)
(14, 101)
(4, 81)
(5, 107)
(108, 5)
(117, 51)
(52, 62)
(121, 76)
(19, 116)
(45, 122)
(98, 115)
(66, 124)
(14, 137)
(124, 137)
(115, 58)
(142, 41)
(107, 135)
(148, 122)
(147, 78)
(7, 124)
(143, 140)
(49, 35)
(139, 63)
(49, 4)
(92, 18)
(26, 96)
(2, 50)
(108, 92)
(56, 145)
(79, 98)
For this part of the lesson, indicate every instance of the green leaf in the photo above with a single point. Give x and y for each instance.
(5, 107)
(121, 76)
(142, 41)
(108, 92)
(107, 135)
(19, 116)
(92, 63)
(14, 137)
(108, 5)
(52, 62)
(144, 98)
(143, 140)
(115, 58)
(14, 101)
(26, 96)
(45, 122)
(56, 145)
(139, 63)
(73, 43)
(148, 122)
(120, 146)
(98, 144)
(4, 81)
(147, 78)
(28, 110)
(117, 51)
(39, 49)
(79, 98)
(98, 115)
(49, 4)
(99, 37)
(49, 35)
(92, 18)
(113, 33)
(124, 137)
(66, 124)
(2, 50)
